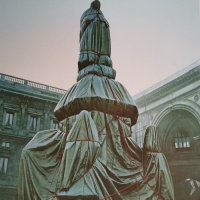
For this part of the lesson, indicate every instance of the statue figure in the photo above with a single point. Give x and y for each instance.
(92, 155)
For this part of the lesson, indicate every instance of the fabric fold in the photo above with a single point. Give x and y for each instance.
(80, 151)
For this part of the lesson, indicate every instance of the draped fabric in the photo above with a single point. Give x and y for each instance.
(98, 93)
(92, 155)
(95, 44)
(38, 163)
(155, 166)
(96, 88)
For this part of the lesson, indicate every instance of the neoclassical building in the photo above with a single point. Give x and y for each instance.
(173, 105)
(26, 107)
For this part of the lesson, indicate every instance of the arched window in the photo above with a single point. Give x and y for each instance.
(182, 141)
(139, 134)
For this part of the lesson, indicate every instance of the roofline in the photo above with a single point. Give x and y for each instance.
(167, 80)
(5, 77)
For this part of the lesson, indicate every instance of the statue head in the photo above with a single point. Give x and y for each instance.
(96, 4)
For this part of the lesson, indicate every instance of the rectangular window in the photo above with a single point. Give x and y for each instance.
(33, 123)
(9, 119)
(55, 125)
(3, 165)
(182, 142)
(6, 144)
(188, 142)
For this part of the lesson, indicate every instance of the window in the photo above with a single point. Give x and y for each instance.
(55, 125)
(33, 123)
(182, 141)
(139, 134)
(9, 119)
(3, 165)
(5, 144)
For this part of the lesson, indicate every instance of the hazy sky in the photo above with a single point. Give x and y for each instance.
(151, 39)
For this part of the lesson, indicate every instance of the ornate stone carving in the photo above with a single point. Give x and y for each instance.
(47, 107)
(196, 97)
(34, 111)
(151, 117)
(10, 106)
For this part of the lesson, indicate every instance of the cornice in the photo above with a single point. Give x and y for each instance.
(18, 138)
(182, 81)
(25, 91)
(161, 106)
(9, 106)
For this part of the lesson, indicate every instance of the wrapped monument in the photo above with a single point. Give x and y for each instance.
(92, 155)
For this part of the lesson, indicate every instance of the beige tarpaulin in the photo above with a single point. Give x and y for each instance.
(92, 155)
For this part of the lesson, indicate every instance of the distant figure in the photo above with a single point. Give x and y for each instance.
(194, 188)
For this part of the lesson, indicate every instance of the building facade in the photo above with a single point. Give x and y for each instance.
(26, 107)
(173, 105)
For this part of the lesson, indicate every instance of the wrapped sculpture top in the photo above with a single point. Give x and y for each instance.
(92, 155)
(96, 88)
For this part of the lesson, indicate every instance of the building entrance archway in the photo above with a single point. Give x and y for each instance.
(178, 128)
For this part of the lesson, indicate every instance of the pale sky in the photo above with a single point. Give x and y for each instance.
(151, 39)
